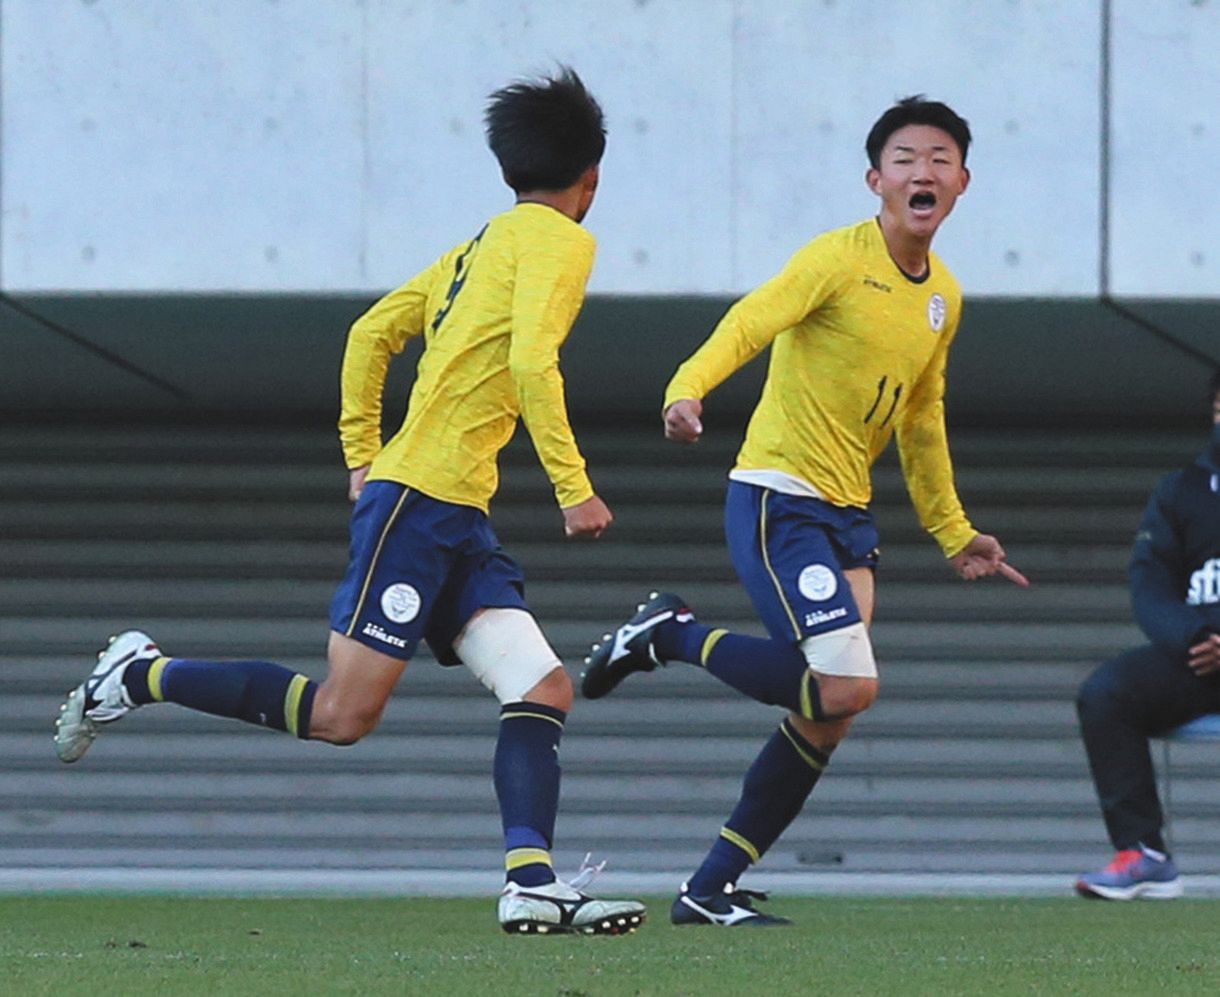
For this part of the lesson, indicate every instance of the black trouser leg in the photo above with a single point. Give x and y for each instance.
(1141, 693)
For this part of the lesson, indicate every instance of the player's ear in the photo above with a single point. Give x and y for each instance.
(965, 180)
(872, 177)
(586, 188)
(589, 178)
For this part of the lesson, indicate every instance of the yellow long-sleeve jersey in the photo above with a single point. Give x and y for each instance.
(493, 312)
(858, 352)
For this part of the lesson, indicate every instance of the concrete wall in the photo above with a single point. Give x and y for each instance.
(335, 145)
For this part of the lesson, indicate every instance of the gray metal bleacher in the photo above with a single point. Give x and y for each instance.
(228, 540)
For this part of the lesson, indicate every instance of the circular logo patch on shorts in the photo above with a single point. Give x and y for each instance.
(400, 602)
(817, 583)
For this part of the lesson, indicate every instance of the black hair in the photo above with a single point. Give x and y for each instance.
(916, 110)
(1213, 386)
(545, 133)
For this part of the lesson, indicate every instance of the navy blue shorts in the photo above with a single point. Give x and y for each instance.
(790, 553)
(420, 568)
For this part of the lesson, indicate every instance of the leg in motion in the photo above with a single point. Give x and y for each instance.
(133, 672)
(783, 775)
(507, 651)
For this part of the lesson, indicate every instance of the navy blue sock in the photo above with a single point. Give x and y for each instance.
(770, 671)
(258, 692)
(135, 681)
(775, 788)
(526, 772)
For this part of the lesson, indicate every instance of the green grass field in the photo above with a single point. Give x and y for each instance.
(166, 945)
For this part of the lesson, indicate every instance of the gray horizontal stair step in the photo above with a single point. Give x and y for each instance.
(1009, 679)
(405, 829)
(906, 724)
(205, 797)
(264, 441)
(294, 637)
(1073, 486)
(28, 709)
(386, 794)
(300, 520)
(841, 831)
(236, 747)
(420, 714)
(227, 541)
(291, 598)
(713, 718)
(117, 441)
(326, 559)
(626, 836)
(1065, 857)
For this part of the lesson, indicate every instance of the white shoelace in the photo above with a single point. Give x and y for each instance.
(586, 873)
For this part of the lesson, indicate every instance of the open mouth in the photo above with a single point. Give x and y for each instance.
(923, 201)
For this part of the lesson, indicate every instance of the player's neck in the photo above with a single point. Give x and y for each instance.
(566, 202)
(907, 249)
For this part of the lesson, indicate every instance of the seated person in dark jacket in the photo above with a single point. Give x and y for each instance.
(1148, 690)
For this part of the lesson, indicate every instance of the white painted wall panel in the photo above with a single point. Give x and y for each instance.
(1166, 149)
(203, 145)
(317, 145)
(813, 77)
(432, 181)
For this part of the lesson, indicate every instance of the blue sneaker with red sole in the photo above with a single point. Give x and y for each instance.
(1134, 874)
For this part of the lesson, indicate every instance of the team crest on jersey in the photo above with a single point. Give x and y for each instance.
(817, 583)
(400, 602)
(936, 312)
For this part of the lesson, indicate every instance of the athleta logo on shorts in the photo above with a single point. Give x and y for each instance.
(817, 583)
(1205, 584)
(372, 630)
(400, 603)
(818, 616)
(936, 312)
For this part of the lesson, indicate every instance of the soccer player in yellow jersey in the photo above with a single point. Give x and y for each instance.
(859, 323)
(425, 562)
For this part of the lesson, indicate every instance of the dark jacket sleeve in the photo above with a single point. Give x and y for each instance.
(1158, 573)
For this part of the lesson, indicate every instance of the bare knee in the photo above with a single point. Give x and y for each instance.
(342, 731)
(554, 690)
(349, 703)
(338, 723)
(845, 697)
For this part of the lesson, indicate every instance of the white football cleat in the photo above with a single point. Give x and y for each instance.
(558, 909)
(101, 698)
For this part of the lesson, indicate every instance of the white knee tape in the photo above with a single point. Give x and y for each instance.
(507, 652)
(846, 652)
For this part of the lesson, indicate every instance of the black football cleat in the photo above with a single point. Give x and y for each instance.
(733, 908)
(630, 648)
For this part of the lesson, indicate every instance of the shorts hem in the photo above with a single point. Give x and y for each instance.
(392, 648)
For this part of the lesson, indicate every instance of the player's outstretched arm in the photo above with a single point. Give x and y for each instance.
(589, 518)
(682, 422)
(984, 556)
